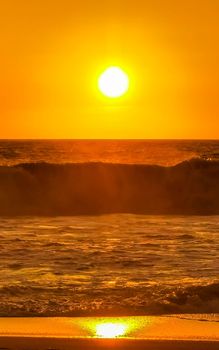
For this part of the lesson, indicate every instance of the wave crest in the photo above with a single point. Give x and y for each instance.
(154, 300)
(191, 187)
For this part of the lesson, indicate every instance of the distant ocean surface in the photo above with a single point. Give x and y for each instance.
(109, 227)
(158, 152)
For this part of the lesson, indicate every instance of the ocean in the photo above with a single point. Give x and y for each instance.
(109, 227)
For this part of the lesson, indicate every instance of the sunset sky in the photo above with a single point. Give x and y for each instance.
(53, 51)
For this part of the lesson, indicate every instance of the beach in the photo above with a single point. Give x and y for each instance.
(85, 344)
(170, 332)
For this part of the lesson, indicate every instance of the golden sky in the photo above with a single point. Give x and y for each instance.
(53, 51)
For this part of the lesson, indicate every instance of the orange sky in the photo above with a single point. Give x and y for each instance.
(53, 51)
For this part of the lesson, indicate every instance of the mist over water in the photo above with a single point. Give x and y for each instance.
(56, 262)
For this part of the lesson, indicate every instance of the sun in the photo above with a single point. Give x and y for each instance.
(113, 82)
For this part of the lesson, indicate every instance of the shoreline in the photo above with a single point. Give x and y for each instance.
(147, 332)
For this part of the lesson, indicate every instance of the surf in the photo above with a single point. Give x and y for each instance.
(189, 188)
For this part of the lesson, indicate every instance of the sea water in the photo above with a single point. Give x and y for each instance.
(57, 258)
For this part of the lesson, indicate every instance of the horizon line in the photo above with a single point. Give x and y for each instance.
(108, 139)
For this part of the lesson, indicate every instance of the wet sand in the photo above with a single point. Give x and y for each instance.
(88, 344)
(160, 333)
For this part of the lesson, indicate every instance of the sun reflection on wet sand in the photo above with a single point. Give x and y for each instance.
(110, 327)
(111, 330)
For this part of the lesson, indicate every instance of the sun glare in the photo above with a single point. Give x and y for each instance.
(110, 330)
(113, 82)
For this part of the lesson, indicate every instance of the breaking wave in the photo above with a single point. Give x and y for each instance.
(189, 188)
(154, 300)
